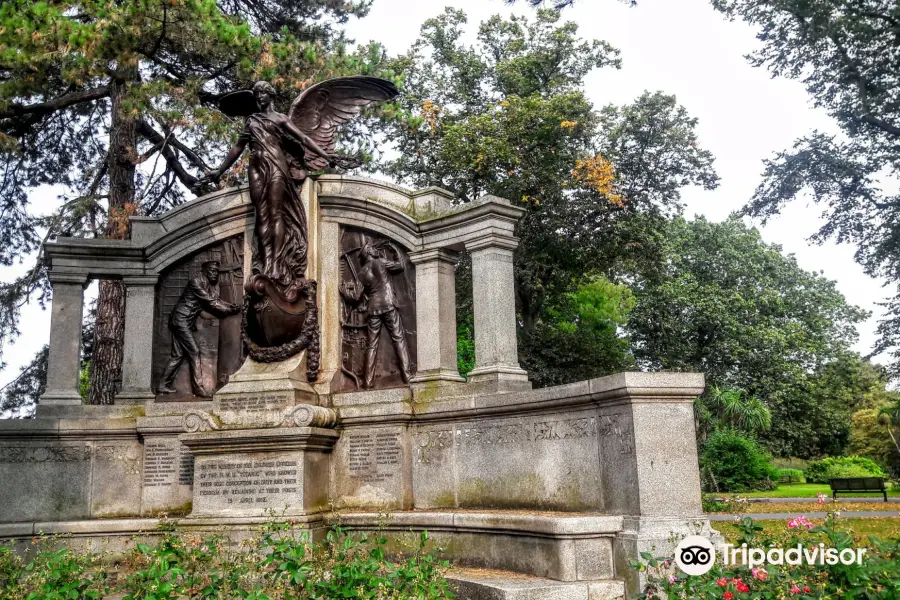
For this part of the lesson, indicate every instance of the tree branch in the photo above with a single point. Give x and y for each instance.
(156, 137)
(34, 112)
(881, 124)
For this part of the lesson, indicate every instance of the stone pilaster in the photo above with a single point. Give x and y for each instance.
(329, 274)
(648, 461)
(137, 368)
(436, 316)
(494, 303)
(64, 360)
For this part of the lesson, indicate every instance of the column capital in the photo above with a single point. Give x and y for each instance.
(434, 255)
(493, 241)
(140, 280)
(70, 278)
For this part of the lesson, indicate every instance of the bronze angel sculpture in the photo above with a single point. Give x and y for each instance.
(280, 313)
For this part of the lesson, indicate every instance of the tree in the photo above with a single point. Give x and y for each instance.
(111, 101)
(725, 303)
(845, 53)
(871, 436)
(508, 117)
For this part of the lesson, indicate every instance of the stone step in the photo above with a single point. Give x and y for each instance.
(484, 584)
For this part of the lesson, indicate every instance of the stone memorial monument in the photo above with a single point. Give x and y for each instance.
(319, 313)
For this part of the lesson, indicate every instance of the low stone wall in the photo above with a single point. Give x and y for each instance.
(565, 483)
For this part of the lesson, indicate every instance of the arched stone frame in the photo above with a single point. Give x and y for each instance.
(423, 221)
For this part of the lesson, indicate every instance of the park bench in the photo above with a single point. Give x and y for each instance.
(858, 485)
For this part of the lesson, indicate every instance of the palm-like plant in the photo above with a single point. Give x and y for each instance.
(731, 408)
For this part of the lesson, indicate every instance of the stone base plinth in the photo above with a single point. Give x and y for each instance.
(259, 393)
(492, 380)
(254, 472)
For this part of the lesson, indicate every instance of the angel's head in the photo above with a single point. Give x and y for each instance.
(264, 92)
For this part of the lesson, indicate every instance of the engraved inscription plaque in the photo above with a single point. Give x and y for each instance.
(248, 484)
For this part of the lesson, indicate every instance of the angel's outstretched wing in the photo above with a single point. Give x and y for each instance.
(321, 109)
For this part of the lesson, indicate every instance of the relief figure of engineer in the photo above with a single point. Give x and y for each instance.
(374, 282)
(200, 294)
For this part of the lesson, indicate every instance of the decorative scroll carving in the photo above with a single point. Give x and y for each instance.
(307, 415)
(197, 420)
(378, 312)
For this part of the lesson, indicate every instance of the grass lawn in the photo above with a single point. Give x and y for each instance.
(803, 490)
(880, 527)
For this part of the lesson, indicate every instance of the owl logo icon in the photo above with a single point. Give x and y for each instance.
(695, 555)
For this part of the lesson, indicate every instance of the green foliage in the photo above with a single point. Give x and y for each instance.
(723, 302)
(12, 570)
(735, 463)
(874, 578)
(870, 436)
(280, 563)
(820, 471)
(716, 503)
(84, 382)
(731, 408)
(344, 566)
(465, 348)
(580, 334)
(507, 116)
(844, 52)
(795, 475)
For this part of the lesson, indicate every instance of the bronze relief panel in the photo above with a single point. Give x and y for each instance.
(378, 312)
(197, 345)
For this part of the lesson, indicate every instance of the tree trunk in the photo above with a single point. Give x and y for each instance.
(109, 330)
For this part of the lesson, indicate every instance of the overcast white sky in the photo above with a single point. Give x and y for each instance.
(684, 48)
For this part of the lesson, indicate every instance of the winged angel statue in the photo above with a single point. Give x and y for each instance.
(280, 313)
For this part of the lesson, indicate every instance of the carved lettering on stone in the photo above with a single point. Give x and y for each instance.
(538, 431)
(430, 443)
(375, 456)
(167, 463)
(128, 454)
(615, 426)
(41, 454)
(271, 482)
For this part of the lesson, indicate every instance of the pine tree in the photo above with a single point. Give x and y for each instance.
(114, 101)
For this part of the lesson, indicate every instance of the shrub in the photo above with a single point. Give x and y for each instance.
(713, 503)
(795, 475)
(280, 563)
(736, 463)
(821, 471)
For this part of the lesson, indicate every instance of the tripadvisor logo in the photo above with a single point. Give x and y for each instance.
(696, 555)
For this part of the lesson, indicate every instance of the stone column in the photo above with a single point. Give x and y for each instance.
(137, 365)
(496, 352)
(64, 360)
(436, 316)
